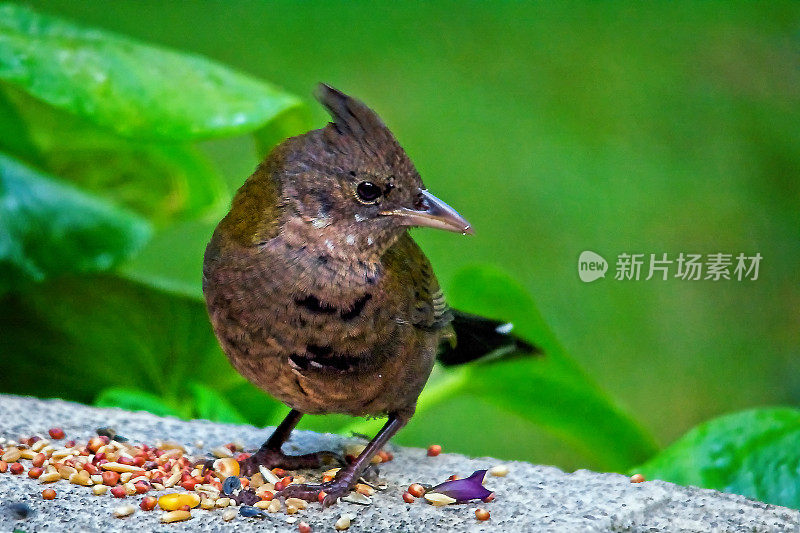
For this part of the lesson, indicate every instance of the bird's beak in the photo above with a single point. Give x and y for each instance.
(433, 213)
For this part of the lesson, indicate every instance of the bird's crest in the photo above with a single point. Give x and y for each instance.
(351, 116)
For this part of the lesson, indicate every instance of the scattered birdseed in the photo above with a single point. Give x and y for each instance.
(342, 523)
(438, 499)
(416, 490)
(49, 494)
(637, 478)
(303, 527)
(482, 514)
(124, 510)
(434, 450)
(231, 484)
(229, 514)
(408, 498)
(499, 470)
(56, 433)
(357, 497)
(175, 516)
(248, 511)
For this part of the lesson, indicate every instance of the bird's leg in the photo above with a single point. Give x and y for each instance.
(271, 456)
(347, 477)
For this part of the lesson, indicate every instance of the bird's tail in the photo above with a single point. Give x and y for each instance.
(479, 338)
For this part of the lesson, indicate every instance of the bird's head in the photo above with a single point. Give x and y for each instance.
(351, 185)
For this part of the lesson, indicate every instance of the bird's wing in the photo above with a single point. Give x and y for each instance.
(427, 308)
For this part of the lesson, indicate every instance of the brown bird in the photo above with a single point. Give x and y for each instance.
(320, 297)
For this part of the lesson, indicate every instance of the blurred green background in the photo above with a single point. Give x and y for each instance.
(554, 128)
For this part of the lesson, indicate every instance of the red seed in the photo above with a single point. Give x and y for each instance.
(118, 491)
(35, 472)
(481, 514)
(453, 477)
(110, 478)
(3, 467)
(189, 484)
(637, 478)
(139, 460)
(408, 498)
(434, 450)
(321, 496)
(242, 456)
(148, 503)
(70, 444)
(391, 456)
(39, 459)
(56, 433)
(95, 443)
(489, 498)
(49, 494)
(303, 527)
(384, 456)
(184, 508)
(280, 472)
(416, 490)
(16, 468)
(92, 469)
(150, 465)
(141, 487)
(267, 496)
(125, 461)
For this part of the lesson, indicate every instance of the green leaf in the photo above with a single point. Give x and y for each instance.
(49, 228)
(137, 90)
(162, 181)
(211, 405)
(550, 391)
(99, 331)
(134, 400)
(185, 245)
(755, 453)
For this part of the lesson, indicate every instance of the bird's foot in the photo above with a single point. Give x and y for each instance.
(310, 492)
(277, 459)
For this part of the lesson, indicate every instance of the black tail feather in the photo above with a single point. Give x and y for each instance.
(482, 338)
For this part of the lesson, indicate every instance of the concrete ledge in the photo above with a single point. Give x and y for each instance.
(530, 498)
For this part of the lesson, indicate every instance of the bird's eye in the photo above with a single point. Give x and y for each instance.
(368, 191)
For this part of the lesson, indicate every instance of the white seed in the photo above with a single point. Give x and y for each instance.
(12, 455)
(39, 444)
(499, 470)
(297, 502)
(158, 486)
(124, 510)
(49, 477)
(130, 490)
(262, 504)
(99, 490)
(357, 497)
(291, 519)
(223, 502)
(221, 452)
(120, 468)
(229, 514)
(343, 522)
(28, 454)
(171, 480)
(206, 503)
(61, 453)
(267, 474)
(97, 478)
(125, 477)
(175, 516)
(354, 449)
(274, 506)
(438, 499)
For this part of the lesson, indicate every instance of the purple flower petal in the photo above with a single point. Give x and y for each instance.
(463, 490)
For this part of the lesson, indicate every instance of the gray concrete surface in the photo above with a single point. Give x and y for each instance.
(530, 498)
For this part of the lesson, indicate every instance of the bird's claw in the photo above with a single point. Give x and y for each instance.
(277, 459)
(310, 492)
